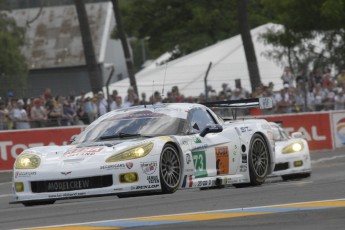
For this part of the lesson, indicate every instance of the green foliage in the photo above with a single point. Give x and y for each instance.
(191, 25)
(304, 21)
(181, 26)
(186, 25)
(13, 67)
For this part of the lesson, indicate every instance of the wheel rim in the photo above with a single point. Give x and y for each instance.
(170, 167)
(260, 157)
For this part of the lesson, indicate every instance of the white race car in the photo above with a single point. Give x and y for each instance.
(149, 149)
(292, 154)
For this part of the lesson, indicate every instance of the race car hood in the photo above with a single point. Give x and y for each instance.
(82, 154)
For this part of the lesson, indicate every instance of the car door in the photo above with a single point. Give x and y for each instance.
(211, 153)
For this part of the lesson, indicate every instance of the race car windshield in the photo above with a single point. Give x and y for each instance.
(119, 135)
(133, 125)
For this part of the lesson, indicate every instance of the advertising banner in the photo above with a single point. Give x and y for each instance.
(315, 128)
(338, 126)
(12, 143)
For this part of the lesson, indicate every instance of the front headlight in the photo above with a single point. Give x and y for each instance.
(133, 153)
(294, 147)
(28, 161)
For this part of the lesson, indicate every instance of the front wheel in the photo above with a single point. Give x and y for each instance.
(259, 160)
(170, 169)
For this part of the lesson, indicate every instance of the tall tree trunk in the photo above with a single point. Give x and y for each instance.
(249, 50)
(123, 38)
(95, 77)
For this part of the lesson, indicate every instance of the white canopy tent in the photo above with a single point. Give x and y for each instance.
(188, 72)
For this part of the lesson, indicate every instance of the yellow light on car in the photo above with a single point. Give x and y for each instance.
(297, 147)
(19, 186)
(27, 161)
(133, 153)
(294, 147)
(139, 152)
(128, 177)
(298, 163)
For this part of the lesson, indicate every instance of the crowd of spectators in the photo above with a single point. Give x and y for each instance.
(316, 91)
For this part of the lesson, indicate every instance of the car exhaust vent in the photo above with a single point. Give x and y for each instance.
(72, 184)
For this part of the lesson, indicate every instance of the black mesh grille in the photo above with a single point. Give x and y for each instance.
(281, 166)
(71, 184)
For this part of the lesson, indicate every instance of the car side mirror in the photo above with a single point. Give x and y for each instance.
(296, 135)
(214, 128)
(72, 139)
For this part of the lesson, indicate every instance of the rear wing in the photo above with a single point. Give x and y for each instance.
(262, 103)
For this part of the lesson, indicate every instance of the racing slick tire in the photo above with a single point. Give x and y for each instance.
(295, 176)
(258, 161)
(34, 203)
(170, 169)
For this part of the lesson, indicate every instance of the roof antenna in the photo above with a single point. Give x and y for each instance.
(165, 74)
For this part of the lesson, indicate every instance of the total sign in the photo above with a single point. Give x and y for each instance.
(338, 126)
(12, 143)
(315, 128)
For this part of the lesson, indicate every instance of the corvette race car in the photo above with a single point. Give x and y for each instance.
(292, 154)
(149, 149)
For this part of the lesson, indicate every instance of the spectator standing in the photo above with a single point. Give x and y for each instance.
(341, 78)
(226, 91)
(54, 114)
(69, 114)
(102, 104)
(288, 77)
(47, 94)
(130, 97)
(319, 97)
(143, 99)
(283, 100)
(327, 78)
(117, 104)
(94, 109)
(156, 99)
(237, 95)
(83, 117)
(4, 116)
(339, 100)
(38, 114)
(20, 116)
(329, 97)
(317, 78)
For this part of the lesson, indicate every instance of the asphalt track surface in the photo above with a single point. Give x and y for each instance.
(274, 205)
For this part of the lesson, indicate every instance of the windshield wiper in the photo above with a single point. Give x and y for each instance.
(119, 135)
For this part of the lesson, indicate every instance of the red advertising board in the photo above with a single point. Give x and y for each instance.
(315, 127)
(12, 143)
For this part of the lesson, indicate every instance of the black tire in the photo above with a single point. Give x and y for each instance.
(258, 160)
(34, 203)
(296, 176)
(170, 169)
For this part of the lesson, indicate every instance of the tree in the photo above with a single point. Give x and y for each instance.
(248, 46)
(179, 25)
(122, 35)
(13, 66)
(95, 77)
(303, 22)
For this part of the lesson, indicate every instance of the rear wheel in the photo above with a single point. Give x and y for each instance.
(258, 161)
(170, 169)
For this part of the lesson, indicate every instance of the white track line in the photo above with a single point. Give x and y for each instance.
(327, 159)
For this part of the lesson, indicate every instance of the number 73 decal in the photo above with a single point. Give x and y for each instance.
(199, 160)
